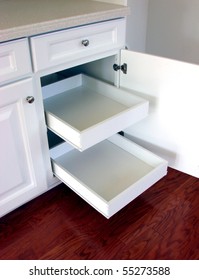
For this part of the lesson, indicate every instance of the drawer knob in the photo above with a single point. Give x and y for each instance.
(85, 42)
(30, 99)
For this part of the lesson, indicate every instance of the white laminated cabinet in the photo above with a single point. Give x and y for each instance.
(105, 169)
(86, 113)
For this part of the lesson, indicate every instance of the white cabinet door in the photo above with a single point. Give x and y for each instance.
(171, 128)
(21, 166)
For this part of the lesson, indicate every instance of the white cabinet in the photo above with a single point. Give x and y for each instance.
(21, 164)
(108, 172)
(105, 169)
(85, 113)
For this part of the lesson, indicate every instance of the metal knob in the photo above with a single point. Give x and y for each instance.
(85, 42)
(30, 99)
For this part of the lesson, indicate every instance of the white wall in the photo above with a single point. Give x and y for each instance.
(137, 25)
(173, 29)
(136, 22)
(168, 28)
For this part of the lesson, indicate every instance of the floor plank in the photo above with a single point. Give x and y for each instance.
(162, 223)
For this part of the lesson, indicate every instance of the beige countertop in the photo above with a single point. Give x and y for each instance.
(22, 18)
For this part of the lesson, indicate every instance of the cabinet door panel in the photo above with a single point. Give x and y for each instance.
(14, 60)
(21, 166)
(77, 45)
(14, 162)
(172, 89)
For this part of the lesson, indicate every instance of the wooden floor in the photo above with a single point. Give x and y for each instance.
(162, 223)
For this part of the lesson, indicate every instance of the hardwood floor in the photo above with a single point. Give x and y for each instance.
(162, 223)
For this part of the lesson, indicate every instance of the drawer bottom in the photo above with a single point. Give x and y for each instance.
(110, 174)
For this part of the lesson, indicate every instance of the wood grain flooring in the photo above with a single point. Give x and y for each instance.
(162, 223)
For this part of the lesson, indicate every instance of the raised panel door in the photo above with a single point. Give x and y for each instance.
(21, 165)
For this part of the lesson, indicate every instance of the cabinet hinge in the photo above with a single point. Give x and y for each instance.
(123, 67)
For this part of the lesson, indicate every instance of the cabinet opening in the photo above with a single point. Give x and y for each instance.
(84, 111)
(53, 139)
(101, 69)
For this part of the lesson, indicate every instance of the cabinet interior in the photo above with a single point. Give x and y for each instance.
(101, 69)
(102, 167)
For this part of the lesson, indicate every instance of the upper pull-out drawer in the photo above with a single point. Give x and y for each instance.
(110, 174)
(14, 60)
(84, 111)
(74, 44)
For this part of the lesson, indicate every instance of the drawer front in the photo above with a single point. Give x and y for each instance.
(74, 44)
(14, 60)
(109, 175)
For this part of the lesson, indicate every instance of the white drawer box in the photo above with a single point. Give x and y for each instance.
(110, 174)
(14, 60)
(84, 111)
(74, 44)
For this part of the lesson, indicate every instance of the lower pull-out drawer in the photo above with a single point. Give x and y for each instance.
(84, 111)
(110, 174)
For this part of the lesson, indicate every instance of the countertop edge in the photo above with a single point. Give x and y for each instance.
(53, 25)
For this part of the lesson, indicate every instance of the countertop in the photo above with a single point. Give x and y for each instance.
(23, 18)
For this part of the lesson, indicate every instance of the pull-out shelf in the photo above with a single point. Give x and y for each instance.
(84, 111)
(108, 175)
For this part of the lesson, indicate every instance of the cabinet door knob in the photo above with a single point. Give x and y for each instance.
(85, 42)
(30, 99)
